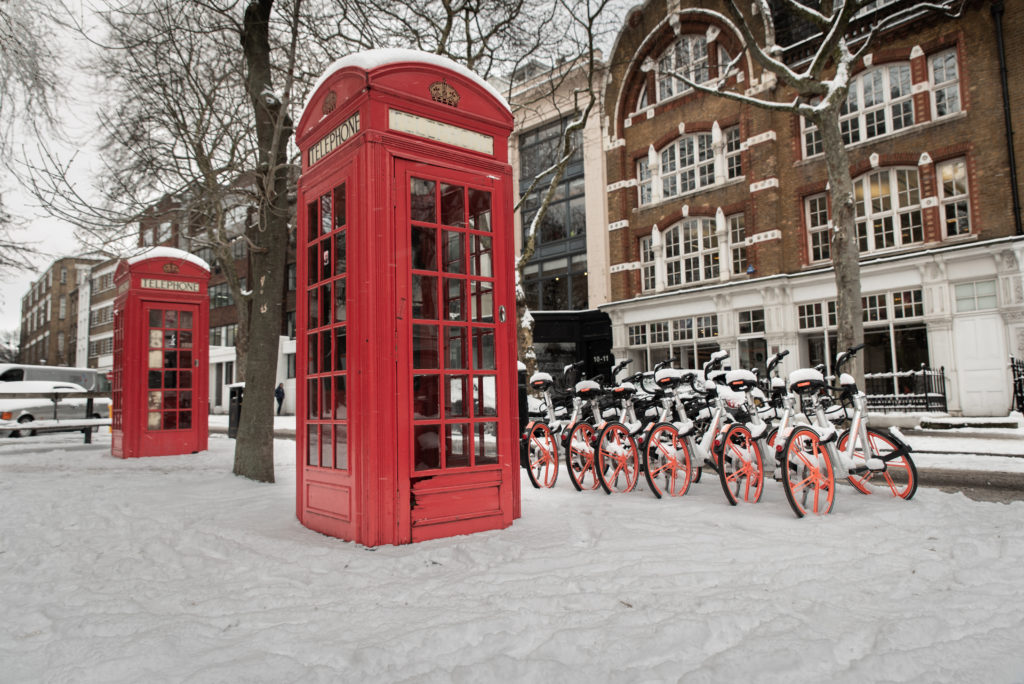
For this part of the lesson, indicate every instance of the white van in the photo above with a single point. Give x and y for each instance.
(91, 379)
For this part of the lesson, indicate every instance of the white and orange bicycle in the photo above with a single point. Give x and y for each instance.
(871, 460)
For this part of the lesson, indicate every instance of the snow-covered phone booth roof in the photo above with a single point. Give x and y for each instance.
(416, 94)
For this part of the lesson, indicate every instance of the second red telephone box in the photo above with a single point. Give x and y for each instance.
(407, 414)
(161, 359)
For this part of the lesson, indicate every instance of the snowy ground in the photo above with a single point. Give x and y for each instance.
(171, 569)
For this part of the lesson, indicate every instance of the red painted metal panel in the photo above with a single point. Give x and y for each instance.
(161, 357)
(388, 490)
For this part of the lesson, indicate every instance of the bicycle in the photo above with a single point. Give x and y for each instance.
(814, 453)
(579, 436)
(618, 464)
(541, 445)
(743, 465)
(667, 465)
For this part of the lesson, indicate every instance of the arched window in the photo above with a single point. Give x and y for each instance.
(689, 253)
(686, 57)
(690, 163)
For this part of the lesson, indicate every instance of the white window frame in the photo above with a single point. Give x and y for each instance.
(947, 86)
(907, 304)
(754, 322)
(819, 243)
(649, 265)
(858, 117)
(690, 259)
(902, 214)
(951, 198)
(645, 182)
(733, 148)
(667, 65)
(737, 243)
(990, 299)
(689, 164)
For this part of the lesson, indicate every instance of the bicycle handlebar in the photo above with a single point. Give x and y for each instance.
(844, 357)
(776, 360)
(667, 363)
(619, 366)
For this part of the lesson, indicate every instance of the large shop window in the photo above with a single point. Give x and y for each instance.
(692, 339)
(894, 336)
(556, 276)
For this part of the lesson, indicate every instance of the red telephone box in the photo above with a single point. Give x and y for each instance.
(406, 423)
(161, 355)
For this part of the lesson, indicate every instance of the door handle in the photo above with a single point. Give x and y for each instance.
(501, 313)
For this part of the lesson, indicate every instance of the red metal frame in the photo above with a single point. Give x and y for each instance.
(350, 134)
(160, 379)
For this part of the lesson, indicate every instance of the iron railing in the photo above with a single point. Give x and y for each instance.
(907, 391)
(1017, 369)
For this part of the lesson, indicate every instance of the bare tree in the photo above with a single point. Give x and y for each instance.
(199, 116)
(193, 114)
(28, 67)
(29, 87)
(818, 87)
(9, 345)
(569, 87)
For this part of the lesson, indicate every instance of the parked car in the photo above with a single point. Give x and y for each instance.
(89, 378)
(26, 410)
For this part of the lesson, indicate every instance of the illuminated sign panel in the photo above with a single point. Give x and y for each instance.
(441, 132)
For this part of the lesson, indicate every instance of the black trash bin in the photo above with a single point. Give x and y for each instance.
(235, 393)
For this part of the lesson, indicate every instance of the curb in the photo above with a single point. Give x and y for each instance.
(945, 477)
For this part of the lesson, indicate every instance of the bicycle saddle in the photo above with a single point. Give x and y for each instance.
(806, 381)
(541, 381)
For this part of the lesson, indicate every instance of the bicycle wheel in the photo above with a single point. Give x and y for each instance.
(807, 475)
(579, 457)
(617, 461)
(900, 475)
(542, 455)
(667, 465)
(742, 466)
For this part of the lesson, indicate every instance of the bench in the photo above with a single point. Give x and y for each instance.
(84, 424)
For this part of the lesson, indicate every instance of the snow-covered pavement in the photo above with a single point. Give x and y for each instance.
(171, 569)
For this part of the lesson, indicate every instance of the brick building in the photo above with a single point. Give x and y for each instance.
(718, 213)
(175, 222)
(49, 315)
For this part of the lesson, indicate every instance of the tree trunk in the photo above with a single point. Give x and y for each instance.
(254, 447)
(843, 242)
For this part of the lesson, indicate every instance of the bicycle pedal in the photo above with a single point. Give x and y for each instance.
(875, 465)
